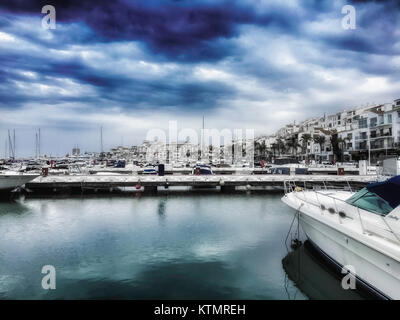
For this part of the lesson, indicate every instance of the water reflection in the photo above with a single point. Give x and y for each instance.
(15, 206)
(161, 210)
(315, 277)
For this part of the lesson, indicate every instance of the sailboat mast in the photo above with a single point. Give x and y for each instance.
(39, 143)
(202, 140)
(10, 145)
(101, 139)
(36, 145)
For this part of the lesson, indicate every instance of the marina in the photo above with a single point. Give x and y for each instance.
(199, 150)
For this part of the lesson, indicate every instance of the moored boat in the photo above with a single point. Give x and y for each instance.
(202, 169)
(10, 180)
(358, 229)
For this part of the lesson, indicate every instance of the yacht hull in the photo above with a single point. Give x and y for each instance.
(12, 181)
(367, 263)
(376, 270)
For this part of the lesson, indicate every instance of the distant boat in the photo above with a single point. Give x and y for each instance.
(202, 169)
(150, 169)
(286, 169)
(120, 164)
(285, 160)
(10, 180)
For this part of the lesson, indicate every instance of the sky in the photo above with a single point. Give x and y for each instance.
(132, 66)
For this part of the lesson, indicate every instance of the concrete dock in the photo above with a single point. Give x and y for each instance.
(152, 182)
(228, 171)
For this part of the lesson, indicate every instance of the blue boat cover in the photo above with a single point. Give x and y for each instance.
(388, 190)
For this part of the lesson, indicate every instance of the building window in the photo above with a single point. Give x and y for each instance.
(363, 123)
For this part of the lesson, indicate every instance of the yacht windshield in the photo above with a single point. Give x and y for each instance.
(370, 201)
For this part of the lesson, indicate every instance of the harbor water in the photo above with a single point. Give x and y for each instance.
(170, 246)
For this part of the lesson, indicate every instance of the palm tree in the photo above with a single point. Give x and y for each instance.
(305, 138)
(210, 151)
(258, 148)
(337, 146)
(280, 145)
(320, 140)
(293, 144)
(263, 149)
(341, 143)
(274, 147)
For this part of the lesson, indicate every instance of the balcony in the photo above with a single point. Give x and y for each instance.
(381, 136)
(375, 148)
(361, 138)
(381, 124)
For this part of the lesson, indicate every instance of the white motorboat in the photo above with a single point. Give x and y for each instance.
(10, 180)
(202, 169)
(291, 168)
(358, 229)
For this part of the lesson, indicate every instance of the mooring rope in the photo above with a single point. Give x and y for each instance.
(291, 225)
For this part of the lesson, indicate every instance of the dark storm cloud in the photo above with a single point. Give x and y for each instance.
(110, 89)
(191, 31)
(376, 29)
(183, 30)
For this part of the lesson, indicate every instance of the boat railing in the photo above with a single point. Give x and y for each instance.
(291, 186)
(383, 174)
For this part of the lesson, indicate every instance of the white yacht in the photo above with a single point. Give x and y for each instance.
(358, 229)
(10, 180)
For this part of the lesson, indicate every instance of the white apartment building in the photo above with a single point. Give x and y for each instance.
(367, 132)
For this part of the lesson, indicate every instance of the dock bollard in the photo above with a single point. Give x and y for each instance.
(45, 172)
(248, 186)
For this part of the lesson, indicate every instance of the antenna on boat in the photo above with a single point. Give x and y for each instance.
(101, 139)
(202, 141)
(14, 146)
(36, 145)
(39, 143)
(10, 145)
(369, 149)
(177, 149)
